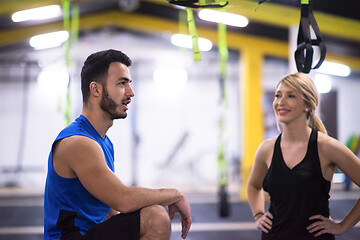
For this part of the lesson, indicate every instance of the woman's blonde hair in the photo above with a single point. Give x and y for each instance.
(303, 84)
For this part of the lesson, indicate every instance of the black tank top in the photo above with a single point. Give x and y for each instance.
(296, 194)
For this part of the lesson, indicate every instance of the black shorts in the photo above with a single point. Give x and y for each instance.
(119, 227)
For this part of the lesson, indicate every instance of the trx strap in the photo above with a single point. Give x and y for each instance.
(304, 51)
(223, 206)
(258, 4)
(72, 27)
(66, 7)
(189, 4)
(223, 54)
(200, 3)
(193, 34)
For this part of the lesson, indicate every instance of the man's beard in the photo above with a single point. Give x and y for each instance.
(109, 106)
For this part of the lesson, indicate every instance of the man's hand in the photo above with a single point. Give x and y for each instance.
(183, 208)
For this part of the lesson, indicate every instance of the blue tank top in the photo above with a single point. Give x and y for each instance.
(67, 204)
(296, 194)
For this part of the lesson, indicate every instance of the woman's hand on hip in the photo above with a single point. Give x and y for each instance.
(324, 225)
(264, 222)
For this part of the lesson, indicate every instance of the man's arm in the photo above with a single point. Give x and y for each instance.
(86, 159)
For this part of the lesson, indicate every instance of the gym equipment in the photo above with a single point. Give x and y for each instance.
(200, 3)
(304, 52)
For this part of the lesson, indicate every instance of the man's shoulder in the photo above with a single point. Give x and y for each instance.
(76, 128)
(77, 141)
(74, 150)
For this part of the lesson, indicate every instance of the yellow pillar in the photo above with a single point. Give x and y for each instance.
(253, 128)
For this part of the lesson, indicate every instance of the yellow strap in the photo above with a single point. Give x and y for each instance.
(305, 2)
(194, 35)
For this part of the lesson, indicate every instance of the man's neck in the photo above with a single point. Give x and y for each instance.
(98, 120)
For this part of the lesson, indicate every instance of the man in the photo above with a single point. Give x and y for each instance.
(82, 190)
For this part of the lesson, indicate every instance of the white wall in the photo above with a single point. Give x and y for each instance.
(43, 123)
(161, 119)
(348, 106)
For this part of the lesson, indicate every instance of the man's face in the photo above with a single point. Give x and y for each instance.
(117, 92)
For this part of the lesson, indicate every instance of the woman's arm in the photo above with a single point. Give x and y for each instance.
(254, 187)
(335, 154)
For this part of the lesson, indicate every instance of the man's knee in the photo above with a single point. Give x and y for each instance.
(155, 214)
(155, 220)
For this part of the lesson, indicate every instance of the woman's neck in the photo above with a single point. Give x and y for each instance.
(296, 133)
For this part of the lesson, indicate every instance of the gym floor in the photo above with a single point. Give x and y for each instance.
(21, 216)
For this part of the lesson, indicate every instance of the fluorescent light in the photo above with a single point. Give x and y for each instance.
(336, 69)
(37, 13)
(223, 17)
(49, 40)
(182, 40)
(323, 83)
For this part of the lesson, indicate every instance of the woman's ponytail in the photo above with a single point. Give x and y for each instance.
(316, 123)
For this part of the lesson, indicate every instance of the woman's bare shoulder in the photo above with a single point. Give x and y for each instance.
(265, 151)
(267, 145)
(327, 143)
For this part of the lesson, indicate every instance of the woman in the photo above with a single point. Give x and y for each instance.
(296, 169)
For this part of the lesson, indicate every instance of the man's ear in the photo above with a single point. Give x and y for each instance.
(95, 88)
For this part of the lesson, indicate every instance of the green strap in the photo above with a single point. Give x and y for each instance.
(305, 2)
(66, 14)
(66, 20)
(75, 23)
(194, 35)
(74, 33)
(66, 10)
(207, 2)
(223, 179)
(221, 158)
(200, 3)
(223, 56)
(68, 104)
(223, 48)
(183, 29)
(183, 22)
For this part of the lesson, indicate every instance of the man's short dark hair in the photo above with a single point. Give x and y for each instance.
(96, 68)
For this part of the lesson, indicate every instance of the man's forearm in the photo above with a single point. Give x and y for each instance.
(134, 198)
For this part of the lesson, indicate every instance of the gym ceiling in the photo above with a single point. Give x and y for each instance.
(339, 22)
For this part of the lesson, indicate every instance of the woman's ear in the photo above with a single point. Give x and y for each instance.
(307, 108)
